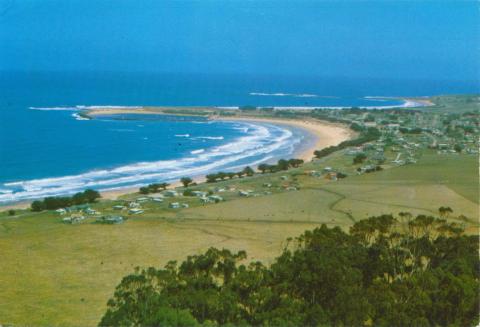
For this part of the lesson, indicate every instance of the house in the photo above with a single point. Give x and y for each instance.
(170, 193)
(244, 193)
(78, 207)
(314, 173)
(327, 169)
(267, 185)
(393, 126)
(174, 205)
(331, 176)
(205, 200)
(142, 199)
(118, 207)
(215, 198)
(61, 211)
(200, 194)
(157, 199)
(135, 211)
(134, 205)
(110, 219)
(73, 219)
(354, 151)
(115, 219)
(184, 205)
(90, 211)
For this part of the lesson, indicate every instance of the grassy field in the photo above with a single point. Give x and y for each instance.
(57, 274)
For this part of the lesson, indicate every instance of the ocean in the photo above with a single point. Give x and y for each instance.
(47, 150)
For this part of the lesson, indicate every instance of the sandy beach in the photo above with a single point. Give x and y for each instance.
(324, 133)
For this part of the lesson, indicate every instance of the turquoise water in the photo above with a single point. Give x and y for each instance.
(45, 150)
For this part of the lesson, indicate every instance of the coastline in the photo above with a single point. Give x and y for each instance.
(324, 134)
(149, 110)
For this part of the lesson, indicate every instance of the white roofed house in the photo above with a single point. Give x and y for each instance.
(135, 211)
(90, 211)
(174, 205)
(170, 193)
(200, 194)
(215, 198)
(205, 200)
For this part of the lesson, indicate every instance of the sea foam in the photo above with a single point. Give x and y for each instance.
(261, 143)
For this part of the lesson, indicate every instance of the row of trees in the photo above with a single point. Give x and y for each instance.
(212, 178)
(53, 203)
(282, 164)
(386, 271)
(153, 188)
(367, 135)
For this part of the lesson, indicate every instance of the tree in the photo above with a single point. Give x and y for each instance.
(444, 211)
(11, 212)
(282, 164)
(263, 168)
(153, 188)
(186, 181)
(374, 275)
(211, 178)
(91, 196)
(248, 171)
(295, 162)
(359, 158)
(144, 190)
(458, 148)
(164, 186)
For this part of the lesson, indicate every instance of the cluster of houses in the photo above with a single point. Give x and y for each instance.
(409, 131)
(77, 213)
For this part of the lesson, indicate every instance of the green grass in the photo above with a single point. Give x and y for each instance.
(57, 274)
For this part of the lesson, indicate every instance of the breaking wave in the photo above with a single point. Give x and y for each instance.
(260, 142)
(295, 95)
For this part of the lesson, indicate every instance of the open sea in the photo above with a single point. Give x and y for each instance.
(47, 150)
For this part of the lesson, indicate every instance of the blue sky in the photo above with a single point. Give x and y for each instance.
(416, 39)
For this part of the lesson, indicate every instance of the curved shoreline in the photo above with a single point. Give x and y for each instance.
(324, 134)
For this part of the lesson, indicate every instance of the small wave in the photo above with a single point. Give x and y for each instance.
(197, 151)
(243, 129)
(207, 138)
(295, 95)
(78, 117)
(122, 130)
(82, 107)
(54, 108)
(279, 94)
(182, 135)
